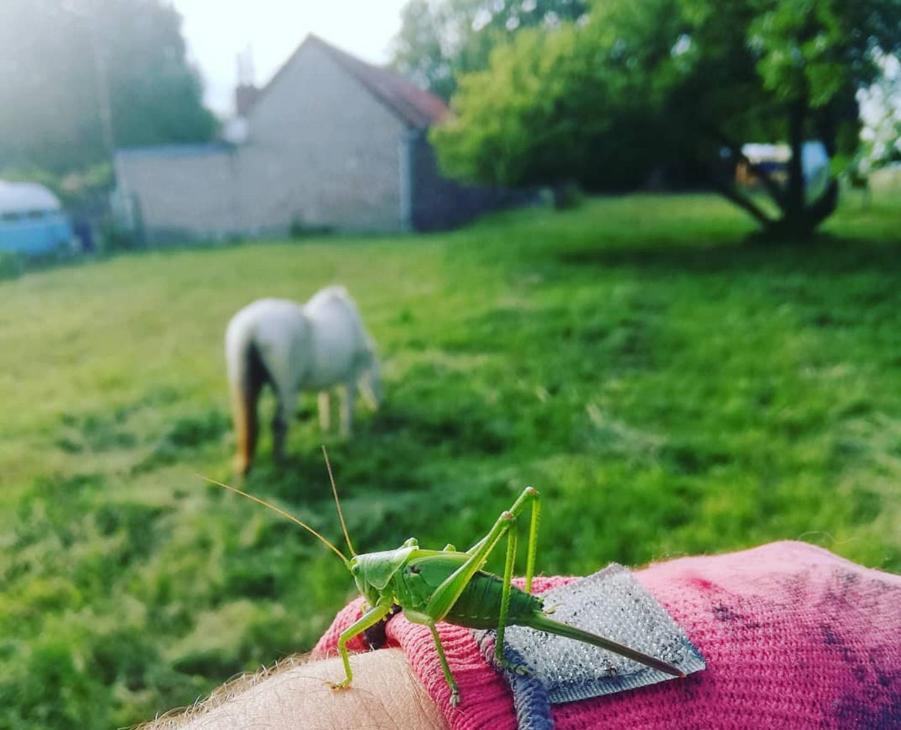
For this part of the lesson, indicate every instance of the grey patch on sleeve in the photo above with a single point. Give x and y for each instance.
(611, 604)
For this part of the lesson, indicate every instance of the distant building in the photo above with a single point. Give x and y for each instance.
(331, 142)
(32, 220)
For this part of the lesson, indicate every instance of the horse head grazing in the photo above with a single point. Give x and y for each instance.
(370, 381)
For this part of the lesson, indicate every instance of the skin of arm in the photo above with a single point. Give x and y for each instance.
(385, 694)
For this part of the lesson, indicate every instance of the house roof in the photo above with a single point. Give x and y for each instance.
(416, 107)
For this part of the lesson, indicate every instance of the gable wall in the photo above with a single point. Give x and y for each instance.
(321, 151)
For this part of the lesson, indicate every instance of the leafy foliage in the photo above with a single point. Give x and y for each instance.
(546, 112)
(58, 59)
(440, 39)
(672, 83)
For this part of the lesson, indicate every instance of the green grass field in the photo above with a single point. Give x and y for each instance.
(668, 388)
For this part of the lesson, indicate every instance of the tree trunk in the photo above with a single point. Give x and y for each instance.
(798, 219)
(793, 218)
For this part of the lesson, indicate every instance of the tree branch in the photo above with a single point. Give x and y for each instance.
(746, 204)
(824, 206)
(772, 187)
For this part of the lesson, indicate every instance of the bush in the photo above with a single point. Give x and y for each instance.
(11, 265)
(114, 238)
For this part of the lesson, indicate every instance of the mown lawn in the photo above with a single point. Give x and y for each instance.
(668, 388)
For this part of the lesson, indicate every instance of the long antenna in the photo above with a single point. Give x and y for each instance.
(338, 502)
(282, 512)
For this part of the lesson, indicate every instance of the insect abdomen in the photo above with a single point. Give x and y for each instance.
(479, 605)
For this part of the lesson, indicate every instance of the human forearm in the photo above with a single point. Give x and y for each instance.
(385, 694)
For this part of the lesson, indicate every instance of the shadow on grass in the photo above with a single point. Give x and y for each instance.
(823, 254)
(185, 436)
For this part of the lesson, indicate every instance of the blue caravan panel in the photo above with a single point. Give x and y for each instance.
(31, 219)
(34, 233)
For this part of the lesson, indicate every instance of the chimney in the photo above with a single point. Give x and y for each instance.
(245, 96)
(246, 92)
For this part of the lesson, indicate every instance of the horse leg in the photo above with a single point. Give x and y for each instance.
(348, 395)
(283, 412)
(325, 410)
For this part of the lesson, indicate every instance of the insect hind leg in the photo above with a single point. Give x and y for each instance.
(529, 496)
(446, 594)
(505, 590)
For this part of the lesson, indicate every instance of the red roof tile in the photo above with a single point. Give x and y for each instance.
(417, 107)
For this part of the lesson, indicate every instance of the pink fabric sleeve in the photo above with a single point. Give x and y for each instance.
(793, 636)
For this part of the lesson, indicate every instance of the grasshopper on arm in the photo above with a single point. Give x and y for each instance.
(447, 585)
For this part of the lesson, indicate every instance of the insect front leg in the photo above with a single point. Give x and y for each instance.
(421, 618)
(445, 667)
(368, 619)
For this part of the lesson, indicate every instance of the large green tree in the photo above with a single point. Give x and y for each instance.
(441, 39)
(79, 76)
(547, 112)
(676, 83)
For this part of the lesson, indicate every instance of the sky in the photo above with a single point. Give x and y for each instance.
(218, 30)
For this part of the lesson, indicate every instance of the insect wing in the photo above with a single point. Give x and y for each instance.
(423, 573)
(435, 567)
(477, 607)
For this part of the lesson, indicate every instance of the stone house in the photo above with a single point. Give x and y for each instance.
(331, 142)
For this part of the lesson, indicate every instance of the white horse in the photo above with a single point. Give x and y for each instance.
(316, 346)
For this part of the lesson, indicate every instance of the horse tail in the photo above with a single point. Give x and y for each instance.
(246, 377)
